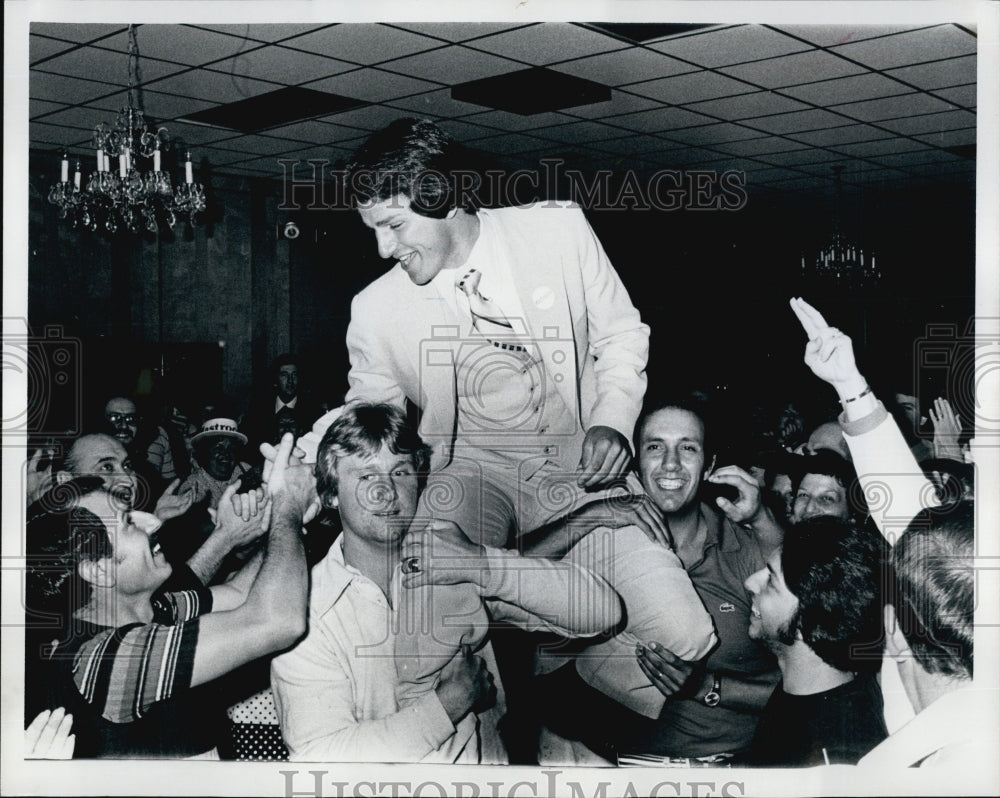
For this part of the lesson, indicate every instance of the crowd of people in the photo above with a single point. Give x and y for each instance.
(506, 549)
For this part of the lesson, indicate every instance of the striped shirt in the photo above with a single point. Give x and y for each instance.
(122, 672)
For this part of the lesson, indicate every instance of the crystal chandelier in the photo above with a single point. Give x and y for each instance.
(119, 195)
(842, 262)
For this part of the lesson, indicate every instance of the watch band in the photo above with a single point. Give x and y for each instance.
(713, 696)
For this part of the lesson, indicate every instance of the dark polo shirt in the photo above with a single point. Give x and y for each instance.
(689, 728)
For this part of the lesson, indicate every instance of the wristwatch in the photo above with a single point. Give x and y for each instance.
(712, 697)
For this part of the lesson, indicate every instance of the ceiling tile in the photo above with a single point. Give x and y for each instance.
(107, 65)
(547, 43)
(928, 156)
(40, 47)
(514, 142)
(216, 87)
(364, 43)
(467, 131)
(869, 149)
(846, 90)
(747, 106)
(620, 103)
(188, 135)
(263, 32)
(61, 88)
(960, 95)
(438, 103)
(76, 32)
(635, 145)
(766, 144)
(661, 119)
(313, 132)
(506, 120)
(445, 64)
(281, 64)
(371, 85)
(770, 175)
(830, 35)
(938, 74)
(928, 44)
(734, 45)
(157, 105)
(796, 121)
(624, 66)
(845, 134)
(41, 107)
(260, 144)
(58, 135)
(894, 107)
(372, 117)
(458, 31)
(180, 43)
(79, 117)
(578, 132)
(799, 157)
(712, 134)
(931, 123)
(689, 88)
(789, 70)
(951, 138)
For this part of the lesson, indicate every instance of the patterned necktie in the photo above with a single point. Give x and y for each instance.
(487, 317)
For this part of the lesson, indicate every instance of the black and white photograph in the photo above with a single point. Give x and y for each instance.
(504, 399)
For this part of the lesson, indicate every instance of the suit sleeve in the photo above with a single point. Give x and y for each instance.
(619, 341)
(895, 488)
(370, 377)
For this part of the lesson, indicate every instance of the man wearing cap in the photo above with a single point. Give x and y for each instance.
(216, 457)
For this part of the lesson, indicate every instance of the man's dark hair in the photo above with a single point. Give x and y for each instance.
(284, 359)
(825, 462)
(363, 429)
(415, 158)
(839, 572)
(59, 536)
(934, 593)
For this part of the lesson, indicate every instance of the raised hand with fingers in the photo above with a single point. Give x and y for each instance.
(172, 504)
(829, 352)
(947, 429)
(48, 736)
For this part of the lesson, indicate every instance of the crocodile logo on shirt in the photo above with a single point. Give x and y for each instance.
(727, 606)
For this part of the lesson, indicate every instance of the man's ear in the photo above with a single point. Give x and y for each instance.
(895, 642)
(62, 477)
(98, 572)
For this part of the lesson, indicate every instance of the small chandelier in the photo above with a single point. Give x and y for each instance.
(842, 262)
(119, 196)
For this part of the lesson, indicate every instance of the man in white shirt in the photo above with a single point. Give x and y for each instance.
(341, 693)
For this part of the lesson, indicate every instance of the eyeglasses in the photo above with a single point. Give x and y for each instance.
(128, 418)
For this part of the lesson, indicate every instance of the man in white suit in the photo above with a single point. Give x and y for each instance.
(513, 335)
(529, 408)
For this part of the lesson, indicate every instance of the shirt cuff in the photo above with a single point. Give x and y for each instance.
(434, 723)
(864, 424)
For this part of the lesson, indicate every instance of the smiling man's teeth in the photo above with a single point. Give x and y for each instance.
(405, 259)
(669, 484)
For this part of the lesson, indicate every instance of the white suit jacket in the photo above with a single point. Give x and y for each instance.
(403, 337)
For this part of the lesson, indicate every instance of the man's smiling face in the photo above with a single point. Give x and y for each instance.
(423, 246)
